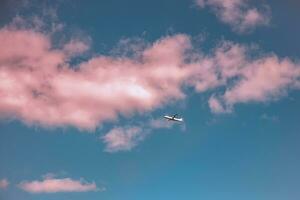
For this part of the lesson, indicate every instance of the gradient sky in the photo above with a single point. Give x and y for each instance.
(84, 85)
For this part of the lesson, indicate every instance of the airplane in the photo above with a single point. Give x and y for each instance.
(173, 118)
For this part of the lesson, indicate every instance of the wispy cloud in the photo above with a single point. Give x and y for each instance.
(126, 138)
(4, 183)
(159, 123)
(238, 13)
(123, 139)
(268, 117)
(54, 185)
(76, 47)
(215, 105)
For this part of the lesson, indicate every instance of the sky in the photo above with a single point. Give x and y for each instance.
(84, 86)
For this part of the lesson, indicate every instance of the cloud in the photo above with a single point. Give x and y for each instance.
(126, 138)
(271, 118)
(41, 87)
(261, 79)
(238, 13)
(215, 105)
(54, 185)
(264, 79)
(4, 183)
(160, 123)
(123, 139)
(76, 47)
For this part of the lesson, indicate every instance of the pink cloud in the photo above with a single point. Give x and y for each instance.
(159, 123)
(76, 47)
(4, 183)
(215, 105)
(40, 87)
(53, 185)
(123, 139)
(259, 79)
(264, 79)
(126, 138)
(237, 13)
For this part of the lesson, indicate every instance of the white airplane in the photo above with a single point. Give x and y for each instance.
(173, 118)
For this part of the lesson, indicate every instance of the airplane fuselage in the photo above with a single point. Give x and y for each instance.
(173, 118)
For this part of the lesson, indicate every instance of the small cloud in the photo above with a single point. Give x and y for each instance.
(238, 13)
(4, 183)
(123, 139)
(49, 176)
(76, 47)
(269, 117)
(126, 138)
(216, 106)
(159, 123)
(55, 185)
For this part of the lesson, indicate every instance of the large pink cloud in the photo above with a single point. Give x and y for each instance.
(237, 13)
(54, 185)
(38, 85)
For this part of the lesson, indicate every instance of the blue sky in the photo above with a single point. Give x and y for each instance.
(234, 144)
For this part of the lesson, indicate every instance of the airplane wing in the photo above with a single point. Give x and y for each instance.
(168, 117)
